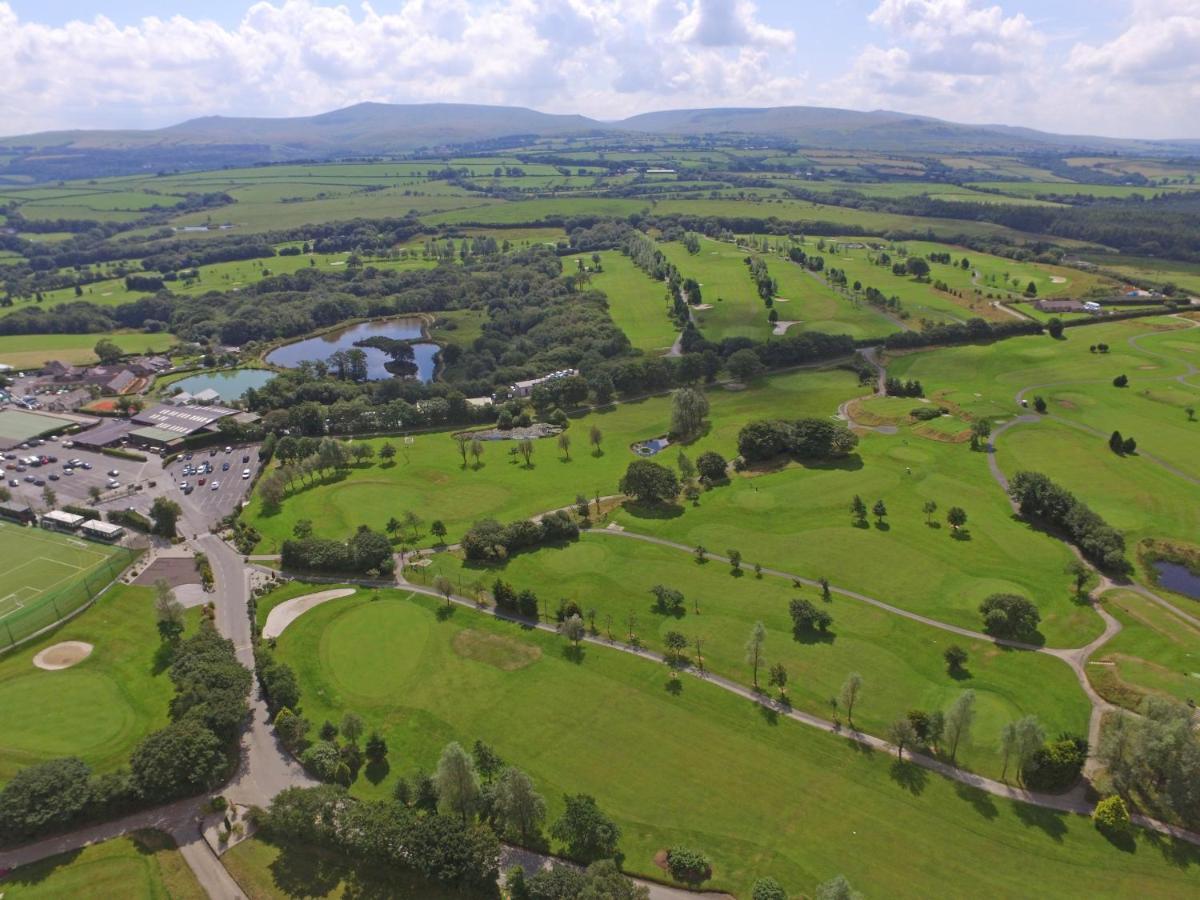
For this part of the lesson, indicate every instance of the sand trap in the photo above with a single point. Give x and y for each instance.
(1057, 279)
(63, 655)
(780, 300)
(287, 612)
(783, 325)
(701, 306)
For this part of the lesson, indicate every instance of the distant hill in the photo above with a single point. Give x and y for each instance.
(381, 129)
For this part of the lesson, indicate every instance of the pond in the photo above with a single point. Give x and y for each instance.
(230, 384)
(1178, 578)
(323, 345)
(650, 447)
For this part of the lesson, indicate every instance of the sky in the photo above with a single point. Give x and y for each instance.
(1126, 68)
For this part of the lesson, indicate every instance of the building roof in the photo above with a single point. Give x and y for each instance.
(151, 433)
(122, 381)
(107, 432)
(66, 518)
(208, 395)
(16, 507)
(181, 420)
(105, 528)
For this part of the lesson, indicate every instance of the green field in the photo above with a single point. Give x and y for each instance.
(429, 478)
(726, 287)
(756, 793)
(900, 660)
(47, 575)
(27, 351)
(635, 301)
(101, 707)
(144, 865)
(1162, 271)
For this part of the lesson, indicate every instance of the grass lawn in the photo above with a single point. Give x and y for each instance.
(1156, 653)
(144, 865)
(762, 796)
(725, 285)
(429, 477)
(797, 519)
(267, 871)
(900, 660)
(96, 710)
(636, 302)
(819, 307)
(26, 351)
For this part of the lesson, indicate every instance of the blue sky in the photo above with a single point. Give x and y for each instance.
(1120, 67)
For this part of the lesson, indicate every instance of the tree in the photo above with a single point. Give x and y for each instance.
(929, 508)
(689, 407)
(387, 452)
(1121, 381)
(956, 517)
(778, 677)
(735, 560)
(837, 888)
(183, 758)
(711, 466)
(1039, 404)
(517, 806)
(352, 727)
(1080, 573)
(49, 497)
(487, 761)
(1116, 443)
(44, 797)
(849, 694)
(1055, 327)
(457, 783)
(377, 748)
(1028, 738)
(667, 600)
(463, 440)
(574, 629)
(303, 529)
(438, 529)
(1129, 446)
(476, 451)
(1009, 616)
(676, 643)
(981, 429)
(445, 587)
(564, 444)
(858, 509)
(687, 469)
(879, 510)
(1008, 744)
(688, 865)
(807, 618)
(744, 365)
(107, 351)
(94, 493)
(168, 611)
(525, 448)
(902, 734)
(165, 514)
(1111, 816)
(413, 522)
(956, 659)
(959, 719)
(754, 649)
(588, 833)
(649, 482)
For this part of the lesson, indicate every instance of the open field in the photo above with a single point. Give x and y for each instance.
(900, 660)
(726, 286)
(96, 710)
(25, 351)
(1028, 189)
(1183, 274)
(142, 866)
(429, 477)
(1156, 653)
(701, 766)
(819, 307)
(635, 301)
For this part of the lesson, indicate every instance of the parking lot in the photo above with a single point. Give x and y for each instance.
(138, 483)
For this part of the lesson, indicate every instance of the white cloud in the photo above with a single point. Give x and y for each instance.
(295, 57)
(977, 62)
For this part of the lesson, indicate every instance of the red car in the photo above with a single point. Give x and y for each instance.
(201, 480)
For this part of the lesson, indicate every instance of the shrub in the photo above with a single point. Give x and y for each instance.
(322, 759)
(1056, 765)
(649, 482)
(711, 465)
(802, 438)
(1111, 816)
(768, 889)
(807, 618)
(487, 539)
(686, 864)
(1009, 616)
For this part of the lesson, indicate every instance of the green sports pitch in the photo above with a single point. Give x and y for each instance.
(44, 576)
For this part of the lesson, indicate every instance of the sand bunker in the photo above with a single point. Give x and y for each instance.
(1057, 279)
(783, 325)
(63, 655)
(287, 612)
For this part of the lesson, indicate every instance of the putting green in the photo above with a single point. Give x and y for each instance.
(77, 712)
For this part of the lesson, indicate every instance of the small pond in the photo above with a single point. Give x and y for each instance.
(323, 345)
(230, 384)
(650, 447)
(1178, 578)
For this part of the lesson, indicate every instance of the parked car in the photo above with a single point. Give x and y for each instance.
(215, 485)
(201, 481)
(113, 473)
(68, 471)
(245, 473)
(12, 482)
(53, 476)
(86, 465)
(225, 467)
(246, 458)
(39, 482)
(29, 479)
(113, 483)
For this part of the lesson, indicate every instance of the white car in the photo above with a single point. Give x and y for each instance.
(113, 483)
(245, 473)
(215, 485)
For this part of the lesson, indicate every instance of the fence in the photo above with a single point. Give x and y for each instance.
(61, 603)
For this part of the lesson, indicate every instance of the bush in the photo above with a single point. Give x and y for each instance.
(130, 518)
(1055, 766)
(768, 889)
(86, 511)
(118, 453)
(488, 540)
(322, 759)
(686, 864)
(807, 618)
(44, 797)
(1009, 616)
(366, 551)
(1111, 816)
(711, 466)
(802, 438)
(649, 482)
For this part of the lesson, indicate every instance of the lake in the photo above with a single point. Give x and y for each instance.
(323, 346)
(1178, 578)
(230, 384)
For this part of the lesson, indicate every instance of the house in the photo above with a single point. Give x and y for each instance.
(60, 371)
(525, 388)
(208, 395)
(18, 512)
